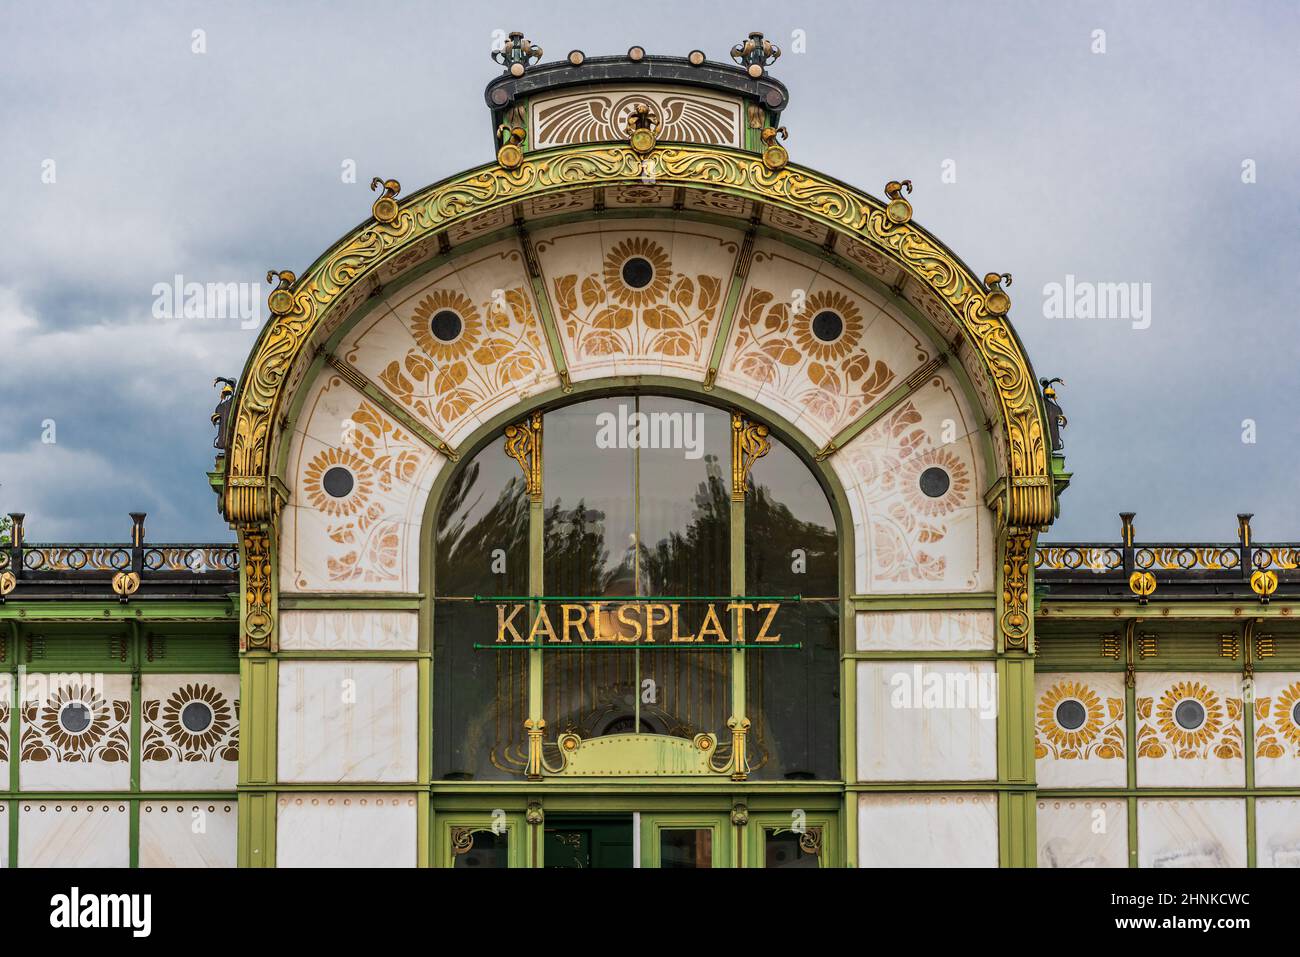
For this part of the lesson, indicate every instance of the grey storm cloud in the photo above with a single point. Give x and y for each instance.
(1123, 166)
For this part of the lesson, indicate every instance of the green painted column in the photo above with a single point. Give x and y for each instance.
(259, 676)
(1017, 813)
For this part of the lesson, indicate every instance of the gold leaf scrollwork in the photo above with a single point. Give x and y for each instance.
(524, 445)
(1016, 617)
(749, 443)
(258, 620)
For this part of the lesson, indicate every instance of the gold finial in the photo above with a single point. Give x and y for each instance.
(517, 54)
(511, 153)
(996, 301)
(281, 299)
(642, 128)
(385, 208)
(774, 156)
(899, 210)
(755, 54)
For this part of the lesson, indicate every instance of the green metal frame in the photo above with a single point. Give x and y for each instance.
(200, 639)
(1180, 654)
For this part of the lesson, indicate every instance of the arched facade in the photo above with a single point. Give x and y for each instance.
(716, 273)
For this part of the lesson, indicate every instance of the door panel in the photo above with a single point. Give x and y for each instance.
(686, 841)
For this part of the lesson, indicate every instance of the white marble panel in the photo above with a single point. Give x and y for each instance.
(74, 834)
(1191, 832)
(1083, 832)
(1079, 730)
(190, 732)
(366, 539)
(1277, 729)
(188, 833)
(1277, 832)
(925, 631)
(347, 721)
(956, 829)
(1189, 730)
(909, 539)
(366, 630)
(76, 732)
(352, 830)
(927, 721)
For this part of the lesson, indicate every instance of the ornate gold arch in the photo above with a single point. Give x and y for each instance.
(299, 309)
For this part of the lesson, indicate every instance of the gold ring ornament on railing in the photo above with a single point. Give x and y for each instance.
(126, 584)
(642, 128)
(280, 301)
(996, 301)
(517, 54)
(385, 208)
(7, 584)
(774, 156)
(1263, 584)
(511, 153)
(899, 210)
(1142, 584)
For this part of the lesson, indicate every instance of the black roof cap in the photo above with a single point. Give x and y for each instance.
(502, 92)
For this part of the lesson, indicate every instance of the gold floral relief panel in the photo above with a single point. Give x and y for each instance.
(458, 346)
(914, 481)
(1189, 730)
(637, 298)
(816, 347)
(75, 732)
(1079, 730)
(1277, 729)
(189, 734)
(359, 484)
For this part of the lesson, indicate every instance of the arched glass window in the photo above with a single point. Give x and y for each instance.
(633, 541)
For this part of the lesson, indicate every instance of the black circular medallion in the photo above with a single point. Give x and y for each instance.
(637, 272)
(1189, 714)
(1071, 714)
(338, 482)
(74, 717)
(935, 482)
(197, 717)
(827, 325)
(446, 325)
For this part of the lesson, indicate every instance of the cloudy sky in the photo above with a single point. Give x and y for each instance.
(1122, 166)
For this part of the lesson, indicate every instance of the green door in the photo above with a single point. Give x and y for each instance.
(588, 841)
(686, 841)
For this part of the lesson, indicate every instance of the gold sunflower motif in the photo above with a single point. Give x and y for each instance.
(1070, 740)
(461, 338)
(85, 720)
(1185, 739)
(850, 331)
(197, 717)
(661, 273)
(959, 481)
(357, 495)
(1284, 714)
